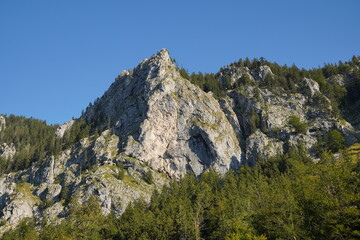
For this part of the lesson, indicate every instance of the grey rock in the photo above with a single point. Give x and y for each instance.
(350, 134)
(311, 87)
(21, 204)
(260, 73)
(60, 131)
(2, 123)
(165, 121)
(258, 145)
(54, 212)
(339, 80)
(7, 151)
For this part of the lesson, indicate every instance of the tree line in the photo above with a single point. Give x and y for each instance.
(283, 197)
(287, 78)
(34, 140)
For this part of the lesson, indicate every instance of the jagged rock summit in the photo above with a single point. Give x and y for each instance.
(164, 120)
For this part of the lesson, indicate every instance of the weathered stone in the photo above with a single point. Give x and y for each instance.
(311, 87)
(7, 151)
(164, 120)
(60, 131)
(260, 73)
(2, 123)
(259, 145)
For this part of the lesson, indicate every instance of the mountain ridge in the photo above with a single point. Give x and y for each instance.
(157, 122)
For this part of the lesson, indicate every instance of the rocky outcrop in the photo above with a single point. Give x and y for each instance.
(22, 204)
(7, 151)
(263, 115)
(258, 145)
(60, 131)
(261, 73)
(165, 121)
(92, 169)
(311, 88)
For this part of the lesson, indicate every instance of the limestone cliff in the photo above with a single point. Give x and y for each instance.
(165, 121)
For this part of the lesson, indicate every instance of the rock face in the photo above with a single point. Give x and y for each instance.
(2, 123)
(269, 111)
(92, 169)
(62, 129)
(6, 151)
(165, 121)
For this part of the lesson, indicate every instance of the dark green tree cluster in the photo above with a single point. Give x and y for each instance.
(353, 88)
(207, 82)
(297, 124)
(25, 231)
(79, 130)
(287, 197)
(34, 140)
(332, 141)
(284, 197)
(254, 121)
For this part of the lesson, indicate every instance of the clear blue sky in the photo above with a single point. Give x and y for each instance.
(57, 56)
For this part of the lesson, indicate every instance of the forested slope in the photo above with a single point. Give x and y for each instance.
(285, 197)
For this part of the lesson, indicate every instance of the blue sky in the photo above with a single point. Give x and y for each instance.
(57, 56)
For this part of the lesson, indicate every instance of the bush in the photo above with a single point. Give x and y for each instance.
(121, 171)
(330, 142)
(254, 121)
(336, 141)
(148, 177)
(297, 124)
(25, 230)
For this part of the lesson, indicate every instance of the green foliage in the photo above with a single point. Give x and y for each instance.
(149, 177)
(121, 171)
(84, 222)
(254, 120)
(284, 197)
(24, 231)
(46, 204)
(332, 141)
(207, 82)
(336, 141)
(353, 87)
(297, 124)
(32, 138)
(79, 130)
(3, 223)
(64, 194)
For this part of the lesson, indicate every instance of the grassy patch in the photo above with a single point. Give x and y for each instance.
(354, 152)
(25, 189)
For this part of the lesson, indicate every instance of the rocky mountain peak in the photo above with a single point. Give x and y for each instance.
(162, 57)
(165, 121)
(158, 65)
